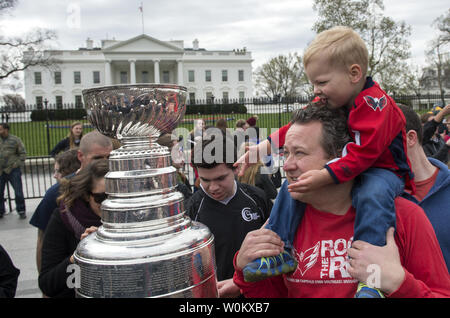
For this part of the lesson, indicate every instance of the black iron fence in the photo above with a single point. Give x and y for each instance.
(42, 126)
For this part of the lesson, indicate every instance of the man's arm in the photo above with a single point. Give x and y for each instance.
(254, 153)
(429, 128)
(21, 152)
(419, 255)
(259, 243)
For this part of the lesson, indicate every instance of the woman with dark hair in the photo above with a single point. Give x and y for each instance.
(79, 209)
(71, 141)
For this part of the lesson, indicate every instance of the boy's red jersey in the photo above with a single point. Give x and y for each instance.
(377, 126)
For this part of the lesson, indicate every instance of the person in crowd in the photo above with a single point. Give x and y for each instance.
(79, 209)
(433, 143)
(254, 177)
(446, 122)
(9, 275)
(253, 130)
(224, 205)
(93, 146)
(426, 117)
(239, 133)
(330, 261)
(432, 180)
(197, 133)
(66, 164)
(170, 141)
(71, 141)
(336, 64)
(12, 159)
(195, 136)
(221, 123)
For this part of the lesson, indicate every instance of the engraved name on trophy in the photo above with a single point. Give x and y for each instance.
(146, 246)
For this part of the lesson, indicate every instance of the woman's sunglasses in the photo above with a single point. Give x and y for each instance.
(99, 197)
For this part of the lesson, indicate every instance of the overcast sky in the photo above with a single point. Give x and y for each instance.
(265, 27)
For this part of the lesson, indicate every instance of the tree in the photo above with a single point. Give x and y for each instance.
(439, 63)
(387, 40)
(281, 75)
(443, 25)
(19, 53)
(13, 102)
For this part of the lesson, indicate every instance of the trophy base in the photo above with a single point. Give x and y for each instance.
(179, 264)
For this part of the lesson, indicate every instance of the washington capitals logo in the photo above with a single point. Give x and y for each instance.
(307, 259)
(376, 103)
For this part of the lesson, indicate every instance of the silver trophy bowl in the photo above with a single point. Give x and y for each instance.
(147, 246)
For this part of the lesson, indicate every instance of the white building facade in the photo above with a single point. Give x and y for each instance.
(142, 59)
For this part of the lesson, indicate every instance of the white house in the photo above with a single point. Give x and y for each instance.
(223, 74)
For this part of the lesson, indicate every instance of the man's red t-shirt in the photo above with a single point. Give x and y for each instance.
(321, 244)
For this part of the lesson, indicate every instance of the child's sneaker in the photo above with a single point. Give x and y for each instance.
(365, 291)
(266, 267)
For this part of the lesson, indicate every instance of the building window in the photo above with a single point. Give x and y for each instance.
(59, 102)
(241, 96)
(96, 77)
(37, 78)
(225, 97)
(208, 75)
(77, 77)
(145, 77)
(191, 76)
(39, 104)
(224, 76)
(241, 75)
(166, 77)
(192, 98)
(123, 77)
(78, 101)
(57, 77)
(209, 97)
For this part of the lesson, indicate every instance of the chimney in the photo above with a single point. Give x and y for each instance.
(195, 44)
(89, 44)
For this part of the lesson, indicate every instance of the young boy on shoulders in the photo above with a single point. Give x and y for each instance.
(336, 64)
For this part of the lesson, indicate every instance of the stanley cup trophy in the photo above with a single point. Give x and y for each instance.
(146, 246)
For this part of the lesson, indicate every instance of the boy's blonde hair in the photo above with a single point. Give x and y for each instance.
(343, 46)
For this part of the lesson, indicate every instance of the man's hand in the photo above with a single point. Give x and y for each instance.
(228, 289)
(384, 260)
(442, 114)
(259, 243)
(311, 180)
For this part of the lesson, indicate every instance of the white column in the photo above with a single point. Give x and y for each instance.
(108, 80)
(180, 71)
(132, 71)
(156, 66)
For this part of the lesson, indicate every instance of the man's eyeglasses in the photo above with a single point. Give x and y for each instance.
(99, 197)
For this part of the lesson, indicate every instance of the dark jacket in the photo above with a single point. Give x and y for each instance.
(9, 275)
(62, 146)
(61, 238)
(58, 246)
(229, 223)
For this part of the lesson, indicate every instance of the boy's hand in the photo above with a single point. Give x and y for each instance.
(311, 180)
(252, 155)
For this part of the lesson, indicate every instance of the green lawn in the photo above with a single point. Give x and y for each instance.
(34, 135)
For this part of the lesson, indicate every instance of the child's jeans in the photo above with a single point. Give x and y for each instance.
(373, 197)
